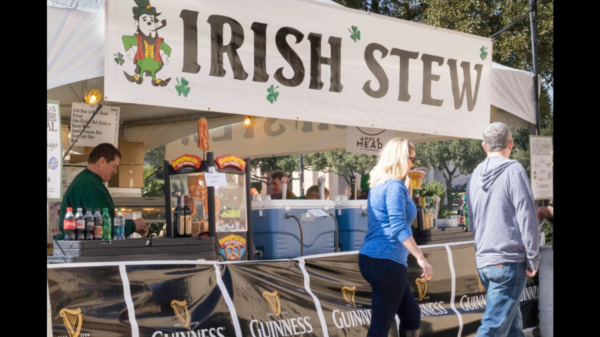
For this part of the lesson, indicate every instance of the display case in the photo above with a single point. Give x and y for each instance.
(221, 189)
(230, 202)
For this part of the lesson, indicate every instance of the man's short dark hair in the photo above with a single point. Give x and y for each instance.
(106, 150)
(279, 174)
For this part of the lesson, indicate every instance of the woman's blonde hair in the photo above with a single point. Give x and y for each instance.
(392, 162)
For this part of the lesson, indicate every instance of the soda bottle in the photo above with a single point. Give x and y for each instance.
(89, 224)
(119, 226)
(97, 225)
(80, 224)
(106, 225)
(69, 224)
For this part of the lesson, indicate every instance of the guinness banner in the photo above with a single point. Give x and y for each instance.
(344, 295)
(88, 301)
(271, 299)
(438, 318)
(321, 295)
(178, 298)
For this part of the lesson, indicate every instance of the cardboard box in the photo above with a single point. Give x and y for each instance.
(132, 153)
(131, 176)
(81, 158)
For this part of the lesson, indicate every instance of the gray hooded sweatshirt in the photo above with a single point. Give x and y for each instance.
(502, 214)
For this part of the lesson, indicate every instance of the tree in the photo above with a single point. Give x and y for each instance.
(152, 187)
(341, 163)
(450, 157)
(155, 157)
(520, 150)
(153, 162)
(288, 164)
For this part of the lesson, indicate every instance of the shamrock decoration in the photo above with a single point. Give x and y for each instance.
(119, 59)
(182, 87)
(355, 33)
(483, 53)
(272, 96)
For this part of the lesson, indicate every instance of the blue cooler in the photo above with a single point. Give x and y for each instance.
(279, 238)
(352, 221)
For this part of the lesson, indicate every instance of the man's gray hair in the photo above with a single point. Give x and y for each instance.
(496, 137)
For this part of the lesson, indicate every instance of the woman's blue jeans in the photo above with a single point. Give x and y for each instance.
(391, 295)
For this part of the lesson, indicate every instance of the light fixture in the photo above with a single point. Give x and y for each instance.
(249, 122)
(93, 97)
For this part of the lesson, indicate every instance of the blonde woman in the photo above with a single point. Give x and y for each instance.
(382, 257)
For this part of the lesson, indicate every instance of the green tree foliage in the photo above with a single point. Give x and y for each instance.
(342, 163)
(432, 189)
(152, 187)
(450, 158)
(288, 164)
(153, 162)
(155, 157)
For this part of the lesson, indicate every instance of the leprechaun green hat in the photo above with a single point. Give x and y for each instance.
(143, 7)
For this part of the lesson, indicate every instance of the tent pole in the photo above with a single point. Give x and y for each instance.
(533, 20)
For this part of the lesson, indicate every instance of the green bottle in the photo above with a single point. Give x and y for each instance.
(106, 225)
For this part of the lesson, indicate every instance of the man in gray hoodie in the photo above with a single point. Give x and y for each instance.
(502, 217)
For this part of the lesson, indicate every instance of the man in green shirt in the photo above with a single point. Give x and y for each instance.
(88, 190)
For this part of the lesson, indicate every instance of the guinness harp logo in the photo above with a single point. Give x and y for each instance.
(421, 287)
(273, 302)
(181, 311)
(348, 293)
(479, 285)
(72, 320)
(528, 279)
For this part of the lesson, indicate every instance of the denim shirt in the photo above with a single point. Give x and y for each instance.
(390, 212)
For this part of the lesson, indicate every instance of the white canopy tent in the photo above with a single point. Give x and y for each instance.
(276, 137)
(75, 62)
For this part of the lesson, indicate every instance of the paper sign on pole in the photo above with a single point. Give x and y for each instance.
(53, 151)
(541, 175)
(215, 179)
(104, 128)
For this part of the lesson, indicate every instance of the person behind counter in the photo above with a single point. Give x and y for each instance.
(313, 193)
(276, 185)
(88, 190)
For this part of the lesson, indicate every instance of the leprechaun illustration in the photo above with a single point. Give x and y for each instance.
(148, 51)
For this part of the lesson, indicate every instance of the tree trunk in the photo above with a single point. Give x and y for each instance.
(375, 6)
(449, 193)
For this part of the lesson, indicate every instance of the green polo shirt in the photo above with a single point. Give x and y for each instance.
(87, 190)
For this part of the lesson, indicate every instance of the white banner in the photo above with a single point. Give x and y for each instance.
(104, 128)
(275, 137)
(53, 151)
(366, 140)
(540, 167)
(290, 59)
